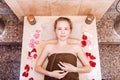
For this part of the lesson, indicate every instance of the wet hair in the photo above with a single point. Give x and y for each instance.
(63, 19)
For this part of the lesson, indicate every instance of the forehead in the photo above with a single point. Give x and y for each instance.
(63, 24)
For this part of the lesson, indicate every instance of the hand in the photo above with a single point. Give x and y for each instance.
(58, 74)
(67, 67)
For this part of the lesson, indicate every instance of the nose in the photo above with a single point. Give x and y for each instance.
(63, 31)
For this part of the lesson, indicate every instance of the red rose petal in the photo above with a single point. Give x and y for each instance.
(35, 56)
(34, 50)
(84, 37)
(83, 43)
(92, 64)
(27, 67)
(88, 54)
(31, 78)
(29, 54)
(25, 74)
(92, 57)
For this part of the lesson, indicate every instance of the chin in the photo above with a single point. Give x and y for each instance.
(63, 39)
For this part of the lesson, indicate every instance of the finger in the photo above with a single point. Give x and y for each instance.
(60, 71)
(61, 67)
(63, 74)
(62, 64)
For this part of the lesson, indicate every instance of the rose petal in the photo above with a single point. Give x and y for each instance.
(29, 54)
(83, 43)
(32, 41)
(31, 78)
(33, 50)
(31, 45)
(84, 37)
(36, 42)
(88, 42)
(37, 31)
(88, 54)
(27, 67)
(35, 56)
(92, 57)
(25, 74)
(92, 64)
(36, 36)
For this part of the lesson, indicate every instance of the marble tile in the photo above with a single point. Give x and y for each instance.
(13, 30)
(112, 8)
(4, 8)
(10, 56)
(110, 61)
(10, 53)
(9, 71)
(10, 45)
(105, 28)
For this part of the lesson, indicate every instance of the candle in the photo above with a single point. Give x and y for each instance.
(31, 19)
(89, 19)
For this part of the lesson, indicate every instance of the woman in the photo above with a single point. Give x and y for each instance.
(62, 56)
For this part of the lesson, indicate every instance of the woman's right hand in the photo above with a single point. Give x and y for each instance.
(58, 74)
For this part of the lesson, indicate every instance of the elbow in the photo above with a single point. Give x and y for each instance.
(36, 68)
(88, 69)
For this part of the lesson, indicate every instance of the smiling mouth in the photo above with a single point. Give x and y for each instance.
(62, 36)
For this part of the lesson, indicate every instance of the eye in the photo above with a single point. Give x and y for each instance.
(59, 28)
(66, 28)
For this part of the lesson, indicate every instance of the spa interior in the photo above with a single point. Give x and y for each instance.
(106, 13)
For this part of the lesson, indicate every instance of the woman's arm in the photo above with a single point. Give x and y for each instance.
(86, 67)
(38, 66)
(70, 68)
(40, 61)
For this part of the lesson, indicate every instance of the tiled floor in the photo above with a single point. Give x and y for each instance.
(110, 61)
(10, 62)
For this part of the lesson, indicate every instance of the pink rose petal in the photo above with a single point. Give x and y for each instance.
(36, 36)
(88, 42)
(32, 41)
(36, 42)
(37, 31)
(31, 45)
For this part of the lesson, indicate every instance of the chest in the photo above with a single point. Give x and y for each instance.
(63, 49)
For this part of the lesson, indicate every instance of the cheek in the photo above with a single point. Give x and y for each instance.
(68, 32)
(57, 32)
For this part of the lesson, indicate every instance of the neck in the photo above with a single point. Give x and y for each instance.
(62, 43)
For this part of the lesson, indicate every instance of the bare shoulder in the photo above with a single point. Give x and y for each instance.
(49, 46)
(76, 46)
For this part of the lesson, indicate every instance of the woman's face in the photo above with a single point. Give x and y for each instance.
(62, 30)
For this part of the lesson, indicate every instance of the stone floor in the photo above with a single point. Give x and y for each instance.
(110, 61)
(11, 44)
(10, 61)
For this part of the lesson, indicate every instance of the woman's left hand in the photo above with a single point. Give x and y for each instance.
(67, 67)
